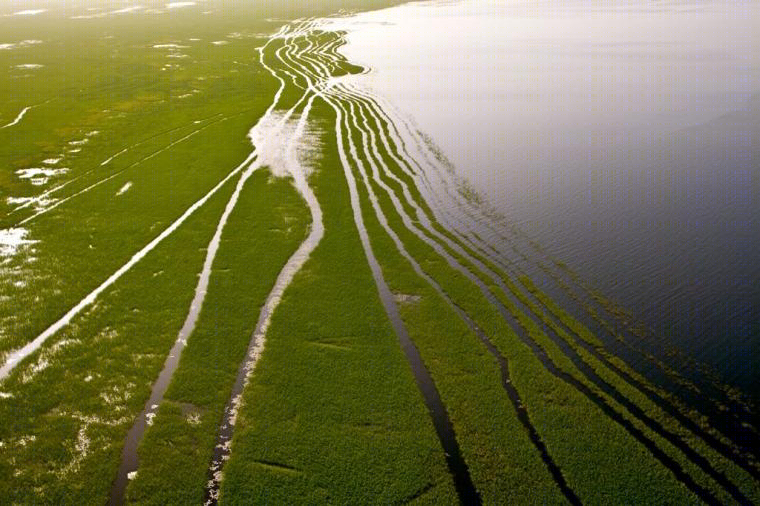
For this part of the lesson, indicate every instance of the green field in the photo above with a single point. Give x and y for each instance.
(145, 147)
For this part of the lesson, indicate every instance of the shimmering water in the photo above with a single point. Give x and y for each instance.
(623, 136)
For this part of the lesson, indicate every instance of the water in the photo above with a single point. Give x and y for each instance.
(623, 136)
(465, 488)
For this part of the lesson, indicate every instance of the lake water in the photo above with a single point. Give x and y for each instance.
(623, 136)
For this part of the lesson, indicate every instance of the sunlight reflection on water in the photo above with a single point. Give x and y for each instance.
(622, 135)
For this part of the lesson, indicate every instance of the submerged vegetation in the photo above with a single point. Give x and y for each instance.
(360, 339)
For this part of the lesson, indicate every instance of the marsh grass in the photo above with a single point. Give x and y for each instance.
(563, 417)
(332, 413)
(78, 396)
(267, 225)
(503, 463)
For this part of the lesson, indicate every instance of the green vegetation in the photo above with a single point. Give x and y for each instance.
(264, 230)
(590, 486)
(71, 405)
(504, 465)
(562, 409)
(148, 113)
(331, 413)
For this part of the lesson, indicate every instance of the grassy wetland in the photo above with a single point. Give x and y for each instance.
(232, 273)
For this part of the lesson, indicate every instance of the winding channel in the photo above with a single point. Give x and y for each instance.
(423, 183)
(415, 195)
(444, 429)
(270, 135)
(18, 118)
(360, 114)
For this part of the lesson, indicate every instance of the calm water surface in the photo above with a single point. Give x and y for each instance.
(623, 136)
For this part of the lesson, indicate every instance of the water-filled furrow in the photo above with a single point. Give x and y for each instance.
(315, 60)
(502, 362)
(308, 64)
(432, 399)
(422, 229)
(579, 363)
(397, 158)
(730, 452)
(288, 51)
(291, 59)
(441, 422)
(397, 147)
(225, 431)
(729, 429)
(129, 461)
(292, 267)
(453, 236)
(364, 107)
(425, 222)
(325, 61)
(18, 118)
(463, 205)
(455, 264)
(21, 115)
(322, 62)
(418, 229)
(670, 409)
(287, 72)
(522, 413)
(330, 53)
(292, 51)
(440, 418)
(446, 189)
(404, 160)
(17, 356)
